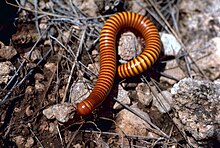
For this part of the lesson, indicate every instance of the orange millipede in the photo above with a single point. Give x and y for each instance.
(108, 56)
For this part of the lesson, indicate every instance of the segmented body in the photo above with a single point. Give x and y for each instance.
(108, 56)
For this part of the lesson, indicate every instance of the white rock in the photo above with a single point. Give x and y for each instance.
(170, 44)
(78, 92)
(61, 112)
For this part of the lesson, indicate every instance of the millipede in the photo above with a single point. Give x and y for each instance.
(108, 56)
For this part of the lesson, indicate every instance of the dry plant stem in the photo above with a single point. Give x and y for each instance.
(157, 141)
(155, 93)
(118, 134)
(68, 82)
(121, 134)
(175, 18)
(19, 68)
(30, 72)
(38, 141)
(48, 85)
(179, 40)
(124, 135)
(73, 137)
(27, 56)
(74, 64)
(59, 59)
(155, 129)
(87, 69)
(11, 99)
(171, 131)
(168, 76)
(36, 15)
(73, 8)
(61, 139)
(96, 69)
(56, 15)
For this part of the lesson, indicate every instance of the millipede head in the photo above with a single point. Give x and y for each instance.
(83, 108)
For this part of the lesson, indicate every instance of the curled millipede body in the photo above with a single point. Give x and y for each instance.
(108, 56)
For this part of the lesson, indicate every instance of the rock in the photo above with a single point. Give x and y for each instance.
(29, 111)
(40, 87)
(199, 20)
(44, 126)
(95, 68)
(137, 6)
(61, 112)
(144, 94)
(216, 42)
(207, 6)
(50, 66)
(170, 44)
(39, 77)
(109, 6)
(207, 57)
(19, 140)
(95, 55)
(29, 90)
(122, 97)
(191, 5)
(42, 5)
(87, 6)
(128, 47)
(163, 102)
(25, 37)
(172, 69)
(7, 52)
(132, 124)
(79, 91)
(197, 108)
(171, 48)
(53, 127)
(43, 25)
(35, 56)
(29, 142)
(6, 72)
